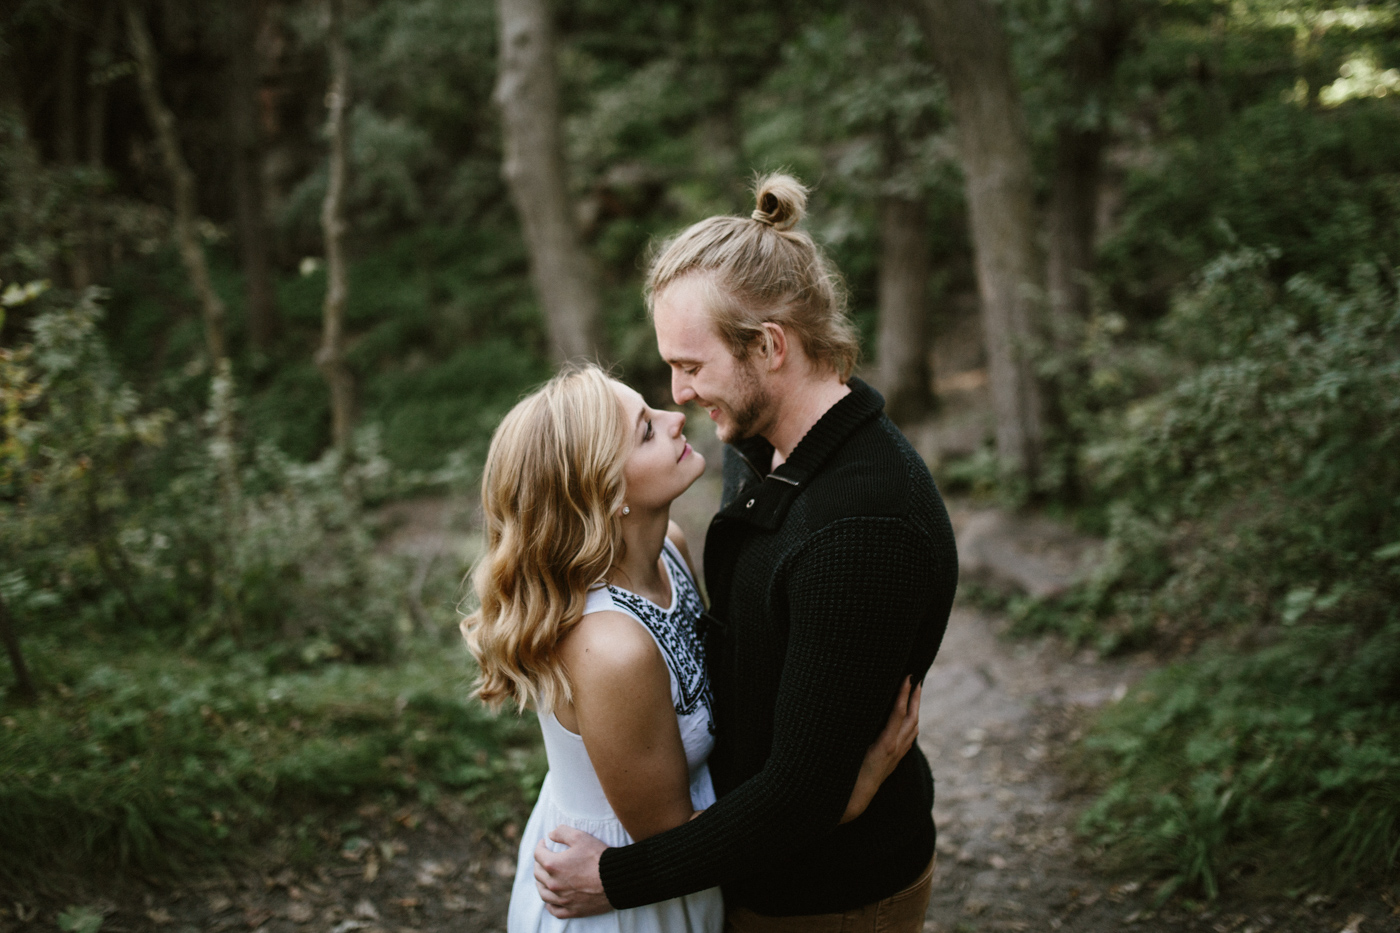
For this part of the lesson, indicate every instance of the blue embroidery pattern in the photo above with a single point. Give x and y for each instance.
(678, 635)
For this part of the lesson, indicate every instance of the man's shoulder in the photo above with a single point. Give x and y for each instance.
(876, 474)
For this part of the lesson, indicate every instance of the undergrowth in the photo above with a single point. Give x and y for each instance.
(1254, 535)
(151, 759)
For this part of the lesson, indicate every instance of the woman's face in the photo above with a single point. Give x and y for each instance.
(661, 465)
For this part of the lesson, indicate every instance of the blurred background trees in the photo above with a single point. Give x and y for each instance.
(1131, 261)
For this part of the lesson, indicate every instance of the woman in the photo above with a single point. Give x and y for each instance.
(588, 613)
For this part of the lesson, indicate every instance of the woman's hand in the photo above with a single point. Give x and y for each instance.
(887, 751)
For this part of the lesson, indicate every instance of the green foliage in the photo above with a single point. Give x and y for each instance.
(80, 920)
(1256, 508)
(153, 759)
(1249, 149)
(115, 515)
(1280, 762)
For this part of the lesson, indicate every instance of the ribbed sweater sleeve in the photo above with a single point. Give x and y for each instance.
(854, 593)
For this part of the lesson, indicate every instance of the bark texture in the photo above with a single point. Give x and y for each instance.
(182, 183)
(904, 375)
(253, 234)
(534, 170)
(971, 50)
(330, 358)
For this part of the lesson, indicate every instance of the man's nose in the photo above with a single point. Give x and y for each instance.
(681, 392)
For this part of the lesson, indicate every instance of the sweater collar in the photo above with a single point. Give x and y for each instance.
(766, 504)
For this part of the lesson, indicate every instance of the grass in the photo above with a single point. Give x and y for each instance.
(150, 759)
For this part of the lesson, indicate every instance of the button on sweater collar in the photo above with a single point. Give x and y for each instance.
(765, 504)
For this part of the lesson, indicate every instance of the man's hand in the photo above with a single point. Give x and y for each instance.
(569, 882)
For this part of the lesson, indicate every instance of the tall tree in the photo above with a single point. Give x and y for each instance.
(98, 79)
(903, 345)
(970, 47)
(253, 238)
(1097, 34)
(330, 358)
(181, 181)
(20, 183)
(528, 96)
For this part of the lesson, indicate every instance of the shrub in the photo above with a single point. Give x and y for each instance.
(149, 759)
(1254, 507)
(122, 517)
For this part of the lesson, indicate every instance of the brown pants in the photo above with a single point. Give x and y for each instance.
(902, 912)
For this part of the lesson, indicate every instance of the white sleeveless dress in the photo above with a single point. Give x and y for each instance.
(572, 795)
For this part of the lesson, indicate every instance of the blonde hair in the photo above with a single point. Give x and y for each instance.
(551, 492)
(760, 270)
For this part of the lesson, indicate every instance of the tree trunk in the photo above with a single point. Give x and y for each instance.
(20, 178)
(527, 94)
(66, 112)
(1074, 201)
(331, 356)
(904, 374)
(24, 684)
(182, 181)
(1088, 64)
(97, 91)
(971, 50)
(253, 235)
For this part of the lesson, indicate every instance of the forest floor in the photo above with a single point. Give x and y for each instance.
(997, 717)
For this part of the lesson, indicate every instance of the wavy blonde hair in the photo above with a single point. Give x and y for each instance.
(760, 269)
(551, 493)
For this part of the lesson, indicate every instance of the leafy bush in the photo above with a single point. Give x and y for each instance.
(151, 759)
(1256, 508)
(119, 516)
(1282, 762)
(1319, 185)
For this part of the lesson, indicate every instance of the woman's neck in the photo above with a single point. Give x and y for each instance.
(639, 570)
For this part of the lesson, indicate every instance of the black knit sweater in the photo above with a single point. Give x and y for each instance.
(831, 578)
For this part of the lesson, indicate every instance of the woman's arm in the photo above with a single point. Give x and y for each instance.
(900, 731)
(622, 705)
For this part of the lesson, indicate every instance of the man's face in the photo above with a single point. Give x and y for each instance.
(702, 368)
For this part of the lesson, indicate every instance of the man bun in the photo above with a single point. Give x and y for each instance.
(782, 201)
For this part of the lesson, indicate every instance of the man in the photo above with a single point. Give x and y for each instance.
(831, 569)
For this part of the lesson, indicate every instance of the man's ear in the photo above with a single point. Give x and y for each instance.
(773, 345)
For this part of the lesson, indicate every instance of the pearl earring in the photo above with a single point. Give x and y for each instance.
(626, 510)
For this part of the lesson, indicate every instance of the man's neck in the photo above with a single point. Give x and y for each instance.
(800, 406)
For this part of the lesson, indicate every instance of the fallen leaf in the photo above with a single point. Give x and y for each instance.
(1353, 924)
(158, 915)
(300, 912)
(366, 910)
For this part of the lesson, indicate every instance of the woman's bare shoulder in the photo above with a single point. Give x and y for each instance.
(609, 644)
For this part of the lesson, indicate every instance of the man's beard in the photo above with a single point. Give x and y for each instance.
(749, 408)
